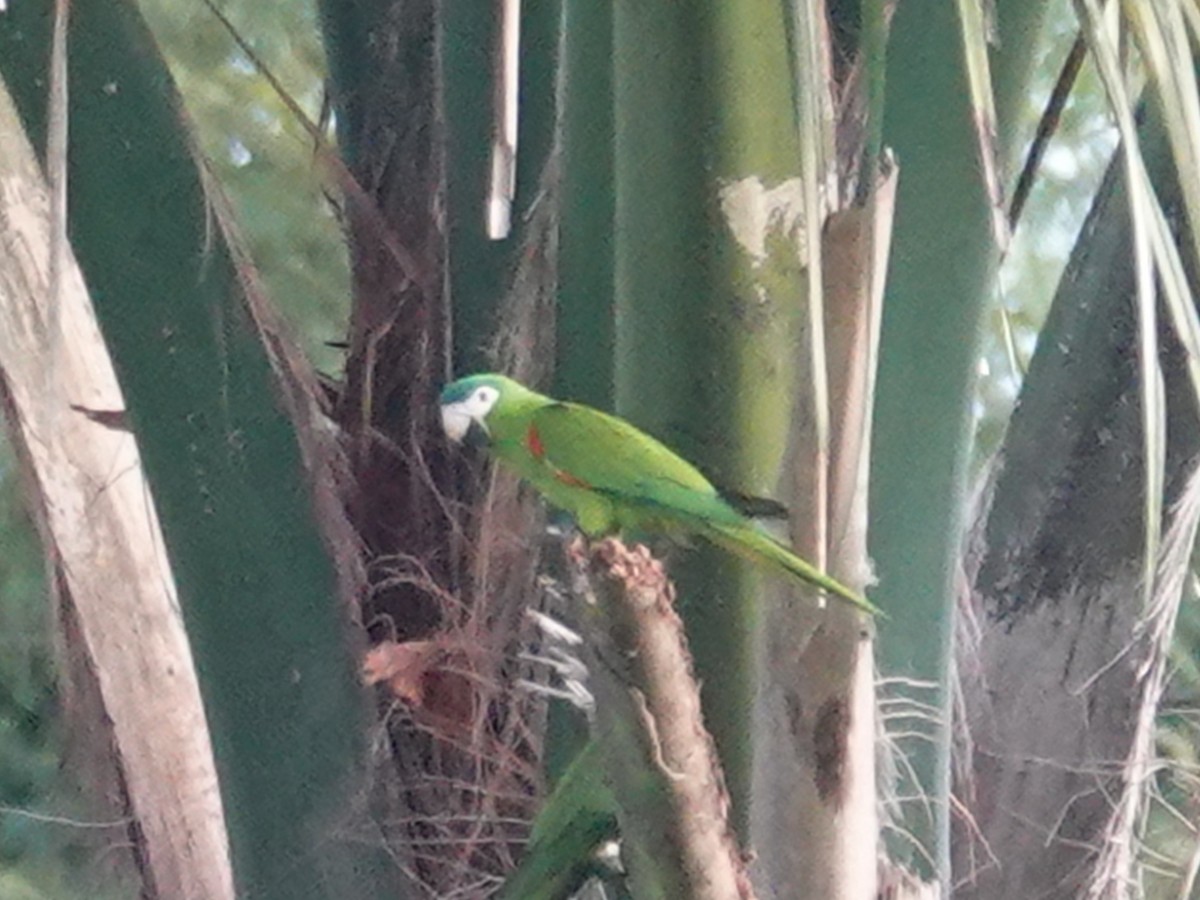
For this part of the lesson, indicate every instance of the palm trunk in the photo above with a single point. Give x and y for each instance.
(108, 545)
(709, 275)
(923, 427)
(1065, 668)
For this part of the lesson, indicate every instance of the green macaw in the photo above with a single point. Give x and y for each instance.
(574, 823)
(610, 476)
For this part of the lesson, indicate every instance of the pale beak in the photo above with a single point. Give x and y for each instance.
(455, 422)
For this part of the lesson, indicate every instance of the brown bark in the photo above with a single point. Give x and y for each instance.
(451, 548)
(399, 329)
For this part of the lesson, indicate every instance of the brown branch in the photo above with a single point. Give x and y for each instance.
(674, 809)
(1047, 126)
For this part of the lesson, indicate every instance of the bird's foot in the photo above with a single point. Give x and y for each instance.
(577, 549)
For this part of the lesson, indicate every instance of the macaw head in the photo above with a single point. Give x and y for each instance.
(469, 401)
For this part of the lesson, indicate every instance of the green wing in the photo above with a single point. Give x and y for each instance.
(616, 459)
(601, 453)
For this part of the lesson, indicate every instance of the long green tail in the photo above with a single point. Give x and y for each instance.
(750, 543)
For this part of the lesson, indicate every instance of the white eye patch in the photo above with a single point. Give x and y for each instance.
(481, 401)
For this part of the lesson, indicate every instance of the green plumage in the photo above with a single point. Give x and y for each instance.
(612, 477)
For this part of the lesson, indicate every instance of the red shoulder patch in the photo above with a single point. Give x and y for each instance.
(533, 441)
(568, 478)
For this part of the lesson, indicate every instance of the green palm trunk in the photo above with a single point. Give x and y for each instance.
(940, 288)
(709, 287)
(927, 366)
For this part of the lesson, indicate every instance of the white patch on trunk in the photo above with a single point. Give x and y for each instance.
(753, 212)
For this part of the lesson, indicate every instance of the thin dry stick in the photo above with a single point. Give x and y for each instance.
(502, 185)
